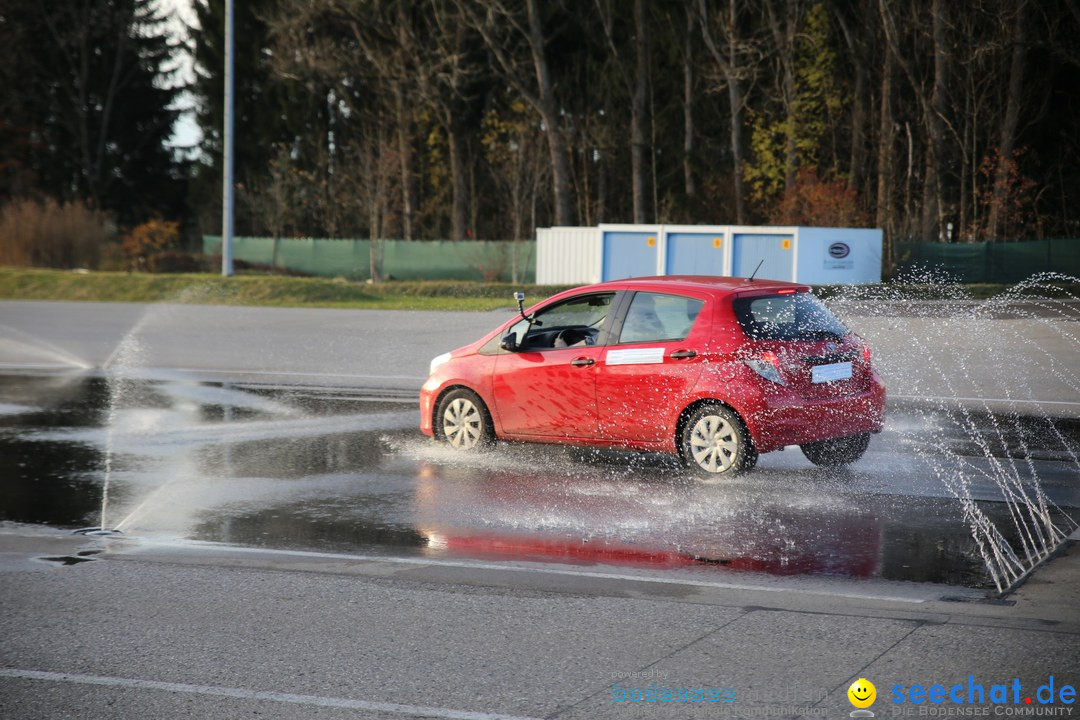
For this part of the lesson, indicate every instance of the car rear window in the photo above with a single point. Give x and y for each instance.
(796, 316)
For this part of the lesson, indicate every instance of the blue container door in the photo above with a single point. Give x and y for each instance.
(776, 254)
(695, 254)
(629, 254)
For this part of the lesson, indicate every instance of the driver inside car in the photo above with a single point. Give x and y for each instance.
(573, 337)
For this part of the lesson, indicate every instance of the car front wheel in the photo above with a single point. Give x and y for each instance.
(838, 451)
(463, 421)
(715, 444)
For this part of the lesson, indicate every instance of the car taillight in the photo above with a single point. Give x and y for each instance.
(866, 354)
(767, 365)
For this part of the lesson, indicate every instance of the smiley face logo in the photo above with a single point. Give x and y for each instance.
(862, 693)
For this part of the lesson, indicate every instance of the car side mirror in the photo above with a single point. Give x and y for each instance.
(509, 343)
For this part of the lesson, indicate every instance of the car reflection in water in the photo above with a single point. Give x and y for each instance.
(550, 516)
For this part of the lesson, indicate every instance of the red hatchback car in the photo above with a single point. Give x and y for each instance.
(714, 369)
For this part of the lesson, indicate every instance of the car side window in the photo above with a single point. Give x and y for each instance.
(575, 321)
(654, 317)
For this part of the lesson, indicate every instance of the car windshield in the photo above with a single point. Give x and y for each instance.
(588, 310)
(583, 311)
(796, 316)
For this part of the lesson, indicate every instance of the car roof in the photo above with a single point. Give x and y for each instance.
(719, 284)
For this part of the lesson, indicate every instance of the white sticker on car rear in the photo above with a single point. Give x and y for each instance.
(635, 356)
(830, 373)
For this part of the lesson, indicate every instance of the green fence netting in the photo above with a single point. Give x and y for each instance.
(397, 259)
(1009, 262)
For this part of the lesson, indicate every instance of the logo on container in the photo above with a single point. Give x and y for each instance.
(839, 250)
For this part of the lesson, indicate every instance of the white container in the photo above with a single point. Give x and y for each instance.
(568, 256)
(819, 256)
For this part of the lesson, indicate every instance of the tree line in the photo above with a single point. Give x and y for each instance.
(933, 120)
(87, 105)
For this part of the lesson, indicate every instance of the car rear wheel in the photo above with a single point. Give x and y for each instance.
(715, 444)
(838, 451)
(463, 421)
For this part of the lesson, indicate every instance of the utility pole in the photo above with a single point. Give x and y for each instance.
(227, 149)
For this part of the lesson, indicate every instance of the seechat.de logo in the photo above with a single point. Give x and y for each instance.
(975, 693)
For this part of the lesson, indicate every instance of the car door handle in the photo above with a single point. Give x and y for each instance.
(683, 354)
(582, 362)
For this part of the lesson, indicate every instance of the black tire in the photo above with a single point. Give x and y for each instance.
(836, 452)
(463, 422)
(715, 444)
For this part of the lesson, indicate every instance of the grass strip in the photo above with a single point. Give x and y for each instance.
(283, 291)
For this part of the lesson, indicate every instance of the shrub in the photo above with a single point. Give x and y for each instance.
(48, 234)
(149, 239)
(818, 202)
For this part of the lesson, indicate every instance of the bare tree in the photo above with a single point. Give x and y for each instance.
(734, 69)
(448, 74)
(860, 33)
(347, 47)
(886, 158)
(932, 108)
(503, 26)
(783, 17)
(1011, 119)
(933, 202)
(382, 31)
(689, 185)
(513, 149)
(635, 81)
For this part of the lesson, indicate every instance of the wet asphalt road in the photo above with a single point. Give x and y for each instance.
(306, 439)
(398, 574)
(332, 471)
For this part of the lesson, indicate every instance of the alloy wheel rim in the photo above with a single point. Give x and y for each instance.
(714, 444)
(461, 424)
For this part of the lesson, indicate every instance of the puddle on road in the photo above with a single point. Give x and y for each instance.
(346, 471)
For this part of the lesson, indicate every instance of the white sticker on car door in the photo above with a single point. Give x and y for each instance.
(635, 356)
